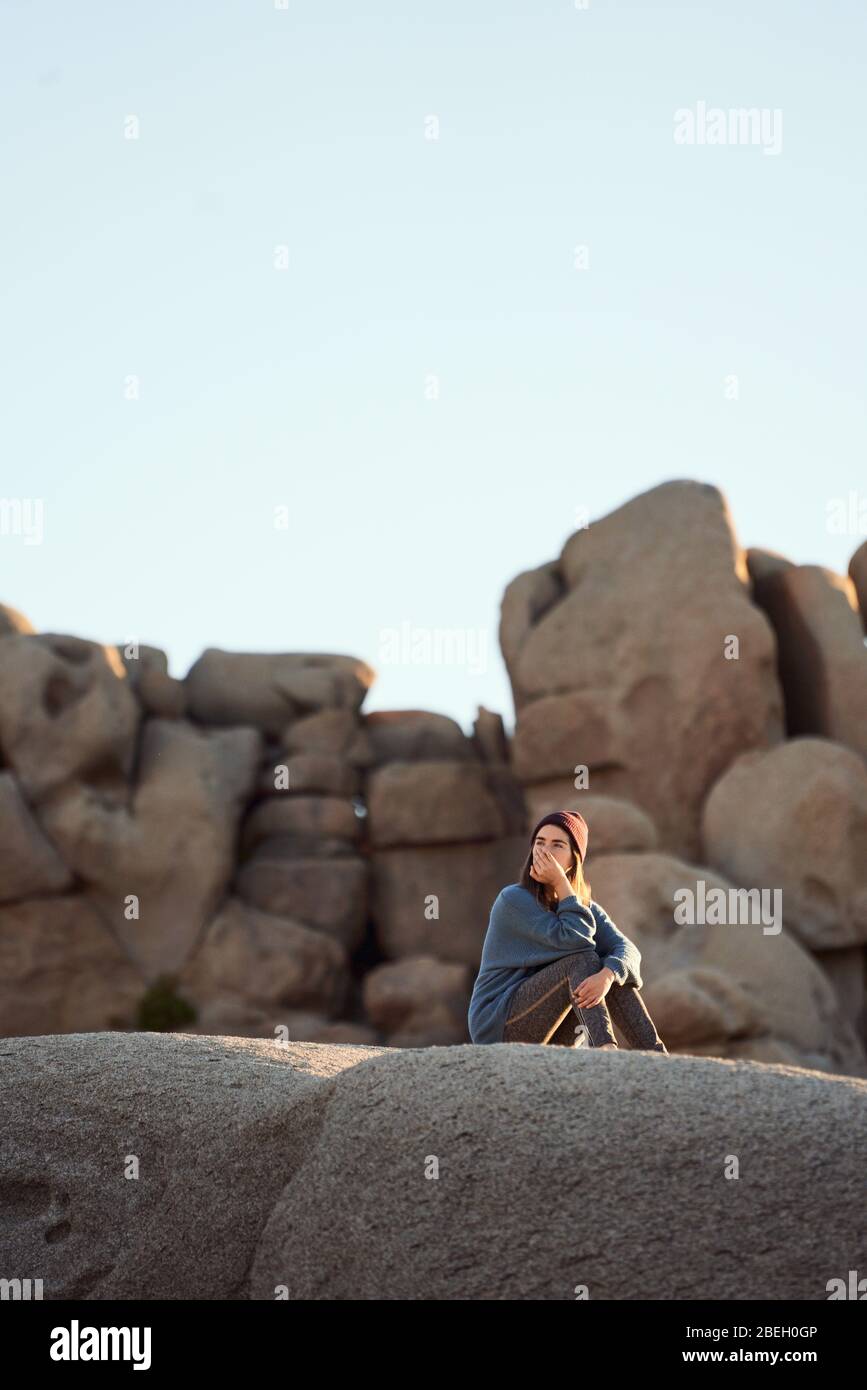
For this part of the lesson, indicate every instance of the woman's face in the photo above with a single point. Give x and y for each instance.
(551, 837)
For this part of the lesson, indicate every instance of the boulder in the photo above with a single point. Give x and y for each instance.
(858, 575)
(410, 735)
(67, 714)
(12, 622)
(279, 847)
(269, 690)
(157, 869)
(439, 802)
(633, 673)
(847, 971)
(160, 695)
(822, 657)
(251, 961)
(29, 864)
(720, 985)
(527, 599)
(436, 901)
(294, 773)
(330, 894)
(61, 968)
(615, 826)
(428, 1158)
(213, 1125)
(338, 733)
(762, 563)
(322, 1180)
(419, 1001)
(227, 1018)
(489, 737)
(302, 821)
(795, 818)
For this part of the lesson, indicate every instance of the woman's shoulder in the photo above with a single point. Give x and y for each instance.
(599, 911)
(515, 895)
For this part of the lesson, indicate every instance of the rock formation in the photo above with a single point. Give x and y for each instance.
(248, 852)
(140, 1166)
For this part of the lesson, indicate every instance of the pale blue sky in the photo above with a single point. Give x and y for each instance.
(559, 388)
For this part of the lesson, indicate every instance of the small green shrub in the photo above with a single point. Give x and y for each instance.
(161, 1008)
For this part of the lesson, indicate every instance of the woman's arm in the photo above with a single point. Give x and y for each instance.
(569, 927)
(614, 949)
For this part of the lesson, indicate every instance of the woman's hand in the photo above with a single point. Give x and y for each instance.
(593, 989)
(547, 869)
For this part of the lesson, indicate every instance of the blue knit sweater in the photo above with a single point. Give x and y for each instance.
(523, 935)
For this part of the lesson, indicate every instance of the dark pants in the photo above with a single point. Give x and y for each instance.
(541, 1008)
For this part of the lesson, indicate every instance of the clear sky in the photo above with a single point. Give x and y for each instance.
(430, 378)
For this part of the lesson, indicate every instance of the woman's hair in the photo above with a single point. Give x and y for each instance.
(575, 875)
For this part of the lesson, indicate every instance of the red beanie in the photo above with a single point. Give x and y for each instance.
(575, 826)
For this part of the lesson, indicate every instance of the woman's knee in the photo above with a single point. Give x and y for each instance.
(585, 962)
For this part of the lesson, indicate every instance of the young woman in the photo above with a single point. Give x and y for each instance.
(552, 955)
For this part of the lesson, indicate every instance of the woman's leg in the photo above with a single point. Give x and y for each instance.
(629, 1012)
(564, 1034)
(541, 1007)
(596, 1020)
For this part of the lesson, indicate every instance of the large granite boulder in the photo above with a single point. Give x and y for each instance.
(339, 733)
(528, 597)
(62, 969)
(250, 961)
(795, 818)
(67, 713)
(157, 867)
(139, 1166)
(436, 900)
(419, 1001)
(653, 669)
(822, 657)
(743, 986)
(269, 690)
(330, 894)
(297, 826)
(439, 802)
